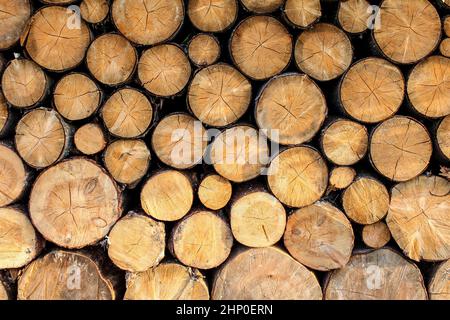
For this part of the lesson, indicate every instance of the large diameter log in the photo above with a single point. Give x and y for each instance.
(212, 15)
(372, 90)
(65, 275)
(376, 275)
(292, 108)
(319, 236)
(376, 235)
(400, 148)
(439, 286)
(261, 47)
(90, 139)
(258, 6)
(74, 203)
(443, 137)
(298, 176)
(13, 176)
(341, 177)
(50, 28)
(302, 13)
(264, 274)
(354, 16)
(14, 16)
(204, 49)
(202, 240)
(419, 218)
(136, 242)
(94, 11)
(407, 31)
(19, 242)
(167, 281)
(214, 192)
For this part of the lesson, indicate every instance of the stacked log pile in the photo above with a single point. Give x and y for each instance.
(224, 149)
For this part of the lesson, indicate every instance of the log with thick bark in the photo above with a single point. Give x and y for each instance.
(148, 22)
(266, 6)
(261, 47)
(439, 286)
(341, 177)
(76, 96)
(179, 141)
(203, 240)
(444, 47)
(74, 203)
(298, 176)
(111, 59)
(94, 11)
(319, 236)
(376, 235)
(136, 242)
(376, 275)
(407, 30)
(127, 113)
(400, 148)
(89, 139)
(54, 41)
(323, 52)
(212, 15)
(19, 242)
(443, 137)
(24, 84)
(167, 195)
(344, 142)
(372, 90)
(302, 13)
(204, 49)
(65, 275)
(429, 87)
(127, 161)
(219, 95)
(164, 70)
(366, 200)
(214, 192)
(239, 153)
(14, 176)
(292, 108)
(167, 281)
(42, 138)
(264, 274)
(14, 16)
(419, 217)
(257, 218)
(354, 16)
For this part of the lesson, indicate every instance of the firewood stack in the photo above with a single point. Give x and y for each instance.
(224, 149)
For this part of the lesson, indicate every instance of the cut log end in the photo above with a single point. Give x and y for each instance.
(14, 16)
(443, 137)
(94, 11)
(439, 287)
(376, 235)
(204, 49)
(5, 115)
(214, 192)
(14, 176)
(302, 13)
(258, 6)
(354, 15)
(89, 139)
(212, 16)
(444, 47)
(447, 26)
(341, 177)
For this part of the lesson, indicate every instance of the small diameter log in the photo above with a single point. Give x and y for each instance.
(167, 281)
(372, 90)
(204, 49)
(323, 52)
(136, 242)
(94, 11)
(341, 177)
(148, 22)
(443, 137)
(376, 235)
(366, 200)
(257, 219)
(376, 275)
(419, 218)
(261, 47)
(239, 153)
(258, 6)
(212, 15)
(111, 59)
(292, 108)
(76, 96)
(344, 142)
(13, 176)
(179, 141)
(14, 16)
(127, 161)
(298, 176)
(127, 113)
(264, 274)
(355, 16)
(19, 242)
(65, 275)
(302, 13)
(447, 26)
(429, 87)
(444, 47)
(42, 138)
(219, 95)
(6, 116)
(167, 195)
(24, 84)
(89, 139)
(74, 203)
(400, 148)
(214, 192)
(407, 31)
(201, 240)
(57, 39)
(439, 286)
(319, 236)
